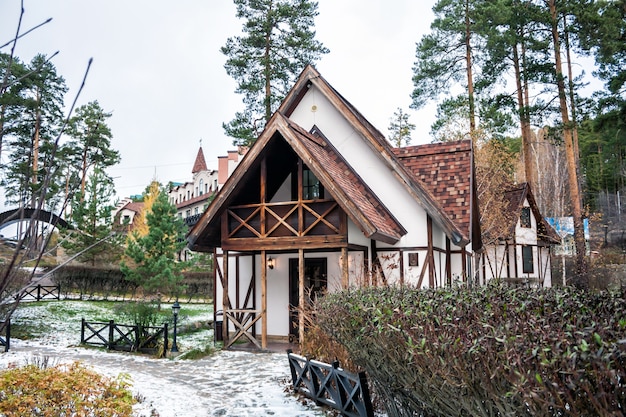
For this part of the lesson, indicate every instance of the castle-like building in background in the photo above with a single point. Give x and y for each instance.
(193, 197)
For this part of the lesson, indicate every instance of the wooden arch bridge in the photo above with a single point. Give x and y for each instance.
(16, 215)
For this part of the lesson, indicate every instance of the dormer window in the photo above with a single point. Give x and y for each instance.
(524, 217)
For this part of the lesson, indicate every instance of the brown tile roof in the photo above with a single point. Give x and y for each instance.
(200, 163)
(445, 169)
(137, 207)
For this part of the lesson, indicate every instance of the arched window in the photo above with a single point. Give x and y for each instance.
(201, 186)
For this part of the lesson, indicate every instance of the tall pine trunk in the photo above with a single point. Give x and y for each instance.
(570, 146)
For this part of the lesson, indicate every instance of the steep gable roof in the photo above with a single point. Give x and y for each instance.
(200, 162)
(515, 197)
(338, 178)
(458, 233)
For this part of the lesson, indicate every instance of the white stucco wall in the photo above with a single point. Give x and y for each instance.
(496, 256)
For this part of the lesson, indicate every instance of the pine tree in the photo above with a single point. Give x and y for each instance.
(151, 259)
(400, 128)
(91, 141)
(36, 125)
(93, 224)
(278, 42)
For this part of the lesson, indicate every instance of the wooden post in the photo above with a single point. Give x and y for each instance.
(263, 299)
(345, 279)
(301, 294)
(449, 263)
(111, 329)
(431, 254)
(82, 330)
(225, 298)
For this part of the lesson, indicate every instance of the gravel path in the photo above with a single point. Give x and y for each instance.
(228, 383)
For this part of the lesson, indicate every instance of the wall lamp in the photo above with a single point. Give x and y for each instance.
(271, 263)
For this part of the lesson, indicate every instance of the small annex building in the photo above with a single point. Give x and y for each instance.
(321, 202)
(522, 255)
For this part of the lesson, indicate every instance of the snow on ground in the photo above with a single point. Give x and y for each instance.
(228, 383)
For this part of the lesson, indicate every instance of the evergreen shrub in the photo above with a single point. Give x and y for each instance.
(487, 351)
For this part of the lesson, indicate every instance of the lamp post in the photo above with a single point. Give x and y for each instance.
(175, 311)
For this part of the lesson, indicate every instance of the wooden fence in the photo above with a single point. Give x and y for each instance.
(6, 340)
(331, 385)
(39, 292)
(129, 338)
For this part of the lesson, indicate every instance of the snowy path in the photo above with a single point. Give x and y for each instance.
(226, 384)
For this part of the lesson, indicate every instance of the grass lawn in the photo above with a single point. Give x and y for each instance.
(59, 322)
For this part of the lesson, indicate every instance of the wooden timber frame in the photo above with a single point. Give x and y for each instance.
(265, 228)
(505, 268)
(428, 264)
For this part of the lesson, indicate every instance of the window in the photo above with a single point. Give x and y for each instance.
(312, 189)
(195, 211)
(187, 213)
(201, 185)
(524, 217)
(527, 260)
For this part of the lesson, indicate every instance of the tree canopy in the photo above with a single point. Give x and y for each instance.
(278, 41)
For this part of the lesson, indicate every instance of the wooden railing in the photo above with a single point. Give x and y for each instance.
(290, 219)
(331, 385)
(130, 338)
(6, 340)
(243, 320)
(39, 292)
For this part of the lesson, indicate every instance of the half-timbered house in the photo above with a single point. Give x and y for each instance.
(523, 254)
(321, 202)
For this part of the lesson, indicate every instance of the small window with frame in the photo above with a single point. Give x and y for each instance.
(524, 218)
(312, 188)
(527, 260)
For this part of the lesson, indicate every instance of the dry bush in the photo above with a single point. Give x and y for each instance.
(63, 390)
(318, 345)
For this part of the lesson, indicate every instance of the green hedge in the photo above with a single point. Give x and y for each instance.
(488, 351)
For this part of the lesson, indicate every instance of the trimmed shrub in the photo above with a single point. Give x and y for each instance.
(63, 390)
(487, 351)
(105, 282)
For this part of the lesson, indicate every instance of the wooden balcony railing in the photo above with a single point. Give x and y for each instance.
(288, 219)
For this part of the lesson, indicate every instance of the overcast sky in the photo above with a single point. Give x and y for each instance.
(158, 68)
